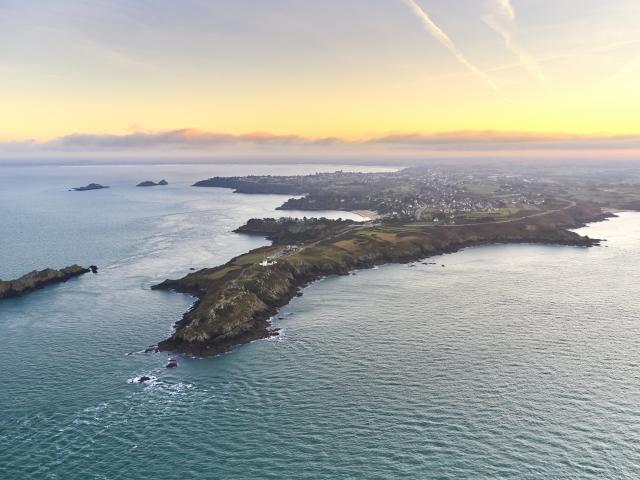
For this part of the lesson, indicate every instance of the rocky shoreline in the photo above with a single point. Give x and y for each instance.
(236, 301)
(39, 279)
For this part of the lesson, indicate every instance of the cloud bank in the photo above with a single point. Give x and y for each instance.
(182, 138)
(188, 142)
(495, 140)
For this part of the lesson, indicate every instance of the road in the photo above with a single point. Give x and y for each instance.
(510, 220)
(569, 205)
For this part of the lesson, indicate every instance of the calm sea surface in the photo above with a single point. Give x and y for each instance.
(509, 362)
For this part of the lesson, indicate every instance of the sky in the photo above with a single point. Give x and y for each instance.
(333, 77)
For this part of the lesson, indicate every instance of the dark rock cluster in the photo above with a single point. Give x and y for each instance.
(149, 183)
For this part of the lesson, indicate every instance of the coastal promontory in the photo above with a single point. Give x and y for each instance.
(236, 300)
(39, 279)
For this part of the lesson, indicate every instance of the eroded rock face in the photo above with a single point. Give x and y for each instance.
(39, 279)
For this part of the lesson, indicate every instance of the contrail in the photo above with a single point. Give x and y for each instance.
(508, 9)
(630, 67)
(444, 39)
(507, 12)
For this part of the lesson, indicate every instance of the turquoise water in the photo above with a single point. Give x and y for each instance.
(510, 362)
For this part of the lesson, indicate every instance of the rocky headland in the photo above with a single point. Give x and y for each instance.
(40, 279)
(235, 301)
(254, 184)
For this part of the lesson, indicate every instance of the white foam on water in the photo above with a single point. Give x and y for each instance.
(152, 379)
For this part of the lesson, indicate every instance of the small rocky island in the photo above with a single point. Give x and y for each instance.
(91, 186)
(149, 183)
(40, 279)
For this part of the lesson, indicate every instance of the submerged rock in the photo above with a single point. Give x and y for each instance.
(141, 379)
(172, 363)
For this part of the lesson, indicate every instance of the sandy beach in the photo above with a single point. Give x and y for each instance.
(367, 214)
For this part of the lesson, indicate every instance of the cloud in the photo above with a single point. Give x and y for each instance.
(507, 8)
(187, 141)
(489, 140)
(502, 21)
(186, 138)
(444, 39)
(627, 69)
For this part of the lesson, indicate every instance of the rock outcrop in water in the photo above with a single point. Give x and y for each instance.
(172, 363)
(149, 183)
(236, 300)
(40, 279)
(91, 186)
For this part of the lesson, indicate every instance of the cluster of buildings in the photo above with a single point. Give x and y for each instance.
(441, 196)
(273, 259)
(418, 193)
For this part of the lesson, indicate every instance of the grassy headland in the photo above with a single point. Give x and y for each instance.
(236, 300)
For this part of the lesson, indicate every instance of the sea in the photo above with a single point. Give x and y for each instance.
(504, 361)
